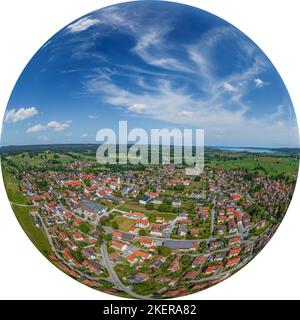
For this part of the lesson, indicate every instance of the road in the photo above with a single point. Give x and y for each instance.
(61, 258)
(161, 239)
(114, 277)
(212, 224)
(22, 205)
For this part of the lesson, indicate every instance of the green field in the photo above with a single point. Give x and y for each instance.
(140, 208)
(40, 158)
(36, 235)
(273, 164)
(12, 189)
(124, 224)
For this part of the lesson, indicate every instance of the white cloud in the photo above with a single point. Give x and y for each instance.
(82, 24)
(36, 128)
(56, 126)
(69, 134)
(84, 135)
(228, 87)
(91, 116)
(14, 115)
(259, 83)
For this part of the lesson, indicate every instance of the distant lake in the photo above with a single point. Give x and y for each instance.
(245, 149)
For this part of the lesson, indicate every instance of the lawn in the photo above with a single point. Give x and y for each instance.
(140, 208)
(12, 189)
(124, 224)
(36, 235)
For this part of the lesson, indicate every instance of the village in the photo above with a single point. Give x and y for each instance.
(152, 233)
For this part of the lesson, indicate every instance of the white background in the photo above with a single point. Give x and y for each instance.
(26, 25)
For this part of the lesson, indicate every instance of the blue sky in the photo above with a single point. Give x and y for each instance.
(155, 64)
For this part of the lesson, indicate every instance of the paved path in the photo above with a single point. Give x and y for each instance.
(22, 205)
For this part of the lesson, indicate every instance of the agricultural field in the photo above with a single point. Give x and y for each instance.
(36, 235)
(270, 164)
(12, 187)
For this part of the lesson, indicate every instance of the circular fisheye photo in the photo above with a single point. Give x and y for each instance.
(149, 150)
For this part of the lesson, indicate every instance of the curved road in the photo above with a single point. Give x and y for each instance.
(115, 277)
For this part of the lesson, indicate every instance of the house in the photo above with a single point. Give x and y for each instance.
(176, 203)
(174, 265)
(89, 253)
(117, 234)
(90, 283)
(218, 256)
(118, 245)
(160, 219)
(138, 255)
(235, 197)
(72, 245)
(247, 219)
(182, 216)
(63, 236)
(191, 275)
(125, 236)
(221, 229)
(233, 252)
(90, 189)
(145, 199)
(232, 262)
(213, 268)
(221, 219)
(156, 230)
(163, 279)
(234, 241)
(89, 207)
(142, 255)
(142, 223)
(174, 293)
(78, 236)
(146, 242)
(199, 261)
(131, 258)
(50, 205)
(112, 198)
(68, 216)
(157, 262)
(231, 226)
(72, 183)
(139, 278)
(36, 198)
(114, 256)
(203, 212)
(93, 266)
(182, 230)
(186, 245)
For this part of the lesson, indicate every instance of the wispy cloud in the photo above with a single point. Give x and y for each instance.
(82, 24)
